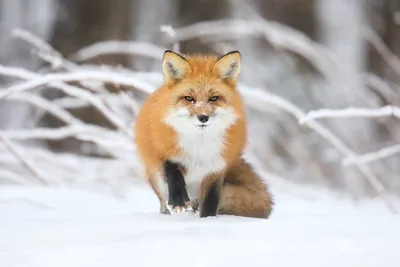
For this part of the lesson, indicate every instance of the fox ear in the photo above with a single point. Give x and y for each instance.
(227, 67)
(174, 66)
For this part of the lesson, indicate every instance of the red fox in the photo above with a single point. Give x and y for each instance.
(190, 135)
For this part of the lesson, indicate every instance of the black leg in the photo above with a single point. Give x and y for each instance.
(211, 200)
(177, 193)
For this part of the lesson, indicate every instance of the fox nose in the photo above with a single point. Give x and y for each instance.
(202, 118)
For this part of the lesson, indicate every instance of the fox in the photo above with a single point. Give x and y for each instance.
(190, 136)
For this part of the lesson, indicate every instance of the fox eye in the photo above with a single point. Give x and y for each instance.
(189, 98)
(213, 98)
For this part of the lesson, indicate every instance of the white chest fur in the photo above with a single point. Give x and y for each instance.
(202, 148)
(202, 155)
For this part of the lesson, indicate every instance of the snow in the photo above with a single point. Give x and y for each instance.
(49, 226)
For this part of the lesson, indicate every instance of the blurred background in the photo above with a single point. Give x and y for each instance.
(313, 54)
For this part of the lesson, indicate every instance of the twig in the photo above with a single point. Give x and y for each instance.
(134, 105)
(373, 156)
(170, 31)
(380, 85)
(45, 50)
(392, 60)
(24, 161)
(10, 176)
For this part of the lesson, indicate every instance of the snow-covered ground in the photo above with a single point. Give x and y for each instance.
(60, 227)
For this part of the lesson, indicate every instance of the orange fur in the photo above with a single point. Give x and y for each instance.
(202, 77)
(244, 193)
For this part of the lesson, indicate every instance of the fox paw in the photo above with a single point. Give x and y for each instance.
(179, 209)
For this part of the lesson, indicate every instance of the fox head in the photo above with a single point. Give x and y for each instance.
(203, 91)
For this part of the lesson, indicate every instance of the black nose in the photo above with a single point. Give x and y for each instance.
(203, 118)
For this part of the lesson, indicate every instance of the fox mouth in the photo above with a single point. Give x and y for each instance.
(202, 126)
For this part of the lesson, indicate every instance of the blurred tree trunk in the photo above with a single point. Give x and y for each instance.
(82, 23)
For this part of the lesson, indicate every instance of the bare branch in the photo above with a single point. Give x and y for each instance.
(381, 86)
(46, 133)
(45, 51)
(373, 156)
(12, 177)
(350, 113)
(170, 31)
(38, 80)
(103, 76)
(46, 105)
(119, 47)
(24, 161)
(380, 46)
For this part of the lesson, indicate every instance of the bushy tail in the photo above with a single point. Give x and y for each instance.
(244, 193)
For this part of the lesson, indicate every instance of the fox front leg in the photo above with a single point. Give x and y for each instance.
(178, 198)
(210, 191)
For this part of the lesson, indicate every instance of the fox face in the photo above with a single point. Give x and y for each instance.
(203, 93)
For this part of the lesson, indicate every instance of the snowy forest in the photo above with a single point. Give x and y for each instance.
(321, 84)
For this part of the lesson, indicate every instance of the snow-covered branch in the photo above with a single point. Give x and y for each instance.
(253, 94)
(103, 76)
(170, 31)
(351, 112)
(44, 50)
(358, 112)
(56, 79)
(390, 58)
(119, 47)
(26, 162)
(373, 156)
(44, 104)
